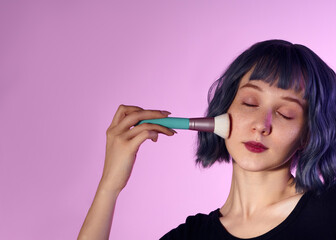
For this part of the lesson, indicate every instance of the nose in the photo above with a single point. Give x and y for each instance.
(263, 123)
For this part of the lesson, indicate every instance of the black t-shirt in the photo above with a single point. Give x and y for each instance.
(314, 217)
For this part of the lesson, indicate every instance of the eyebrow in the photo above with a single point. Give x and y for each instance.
(290, 99)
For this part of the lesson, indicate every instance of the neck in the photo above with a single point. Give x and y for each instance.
(251, 192)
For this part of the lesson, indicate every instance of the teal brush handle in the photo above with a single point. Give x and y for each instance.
(169, 122)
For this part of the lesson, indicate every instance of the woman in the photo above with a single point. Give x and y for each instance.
(281, 99)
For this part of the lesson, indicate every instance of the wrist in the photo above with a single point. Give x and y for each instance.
(106, 186)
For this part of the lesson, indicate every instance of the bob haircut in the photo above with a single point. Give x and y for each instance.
(289, 66)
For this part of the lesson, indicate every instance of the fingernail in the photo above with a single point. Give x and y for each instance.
(165, 112)
(173, 131)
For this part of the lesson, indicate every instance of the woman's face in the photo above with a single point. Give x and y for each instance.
(267, 115)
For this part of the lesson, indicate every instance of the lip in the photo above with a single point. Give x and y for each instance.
(255, 147)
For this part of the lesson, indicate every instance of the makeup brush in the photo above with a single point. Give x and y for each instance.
(219, 125)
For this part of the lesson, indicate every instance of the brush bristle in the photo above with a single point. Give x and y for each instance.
(222, 125)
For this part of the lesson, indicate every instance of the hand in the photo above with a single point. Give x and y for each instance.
(123, 142)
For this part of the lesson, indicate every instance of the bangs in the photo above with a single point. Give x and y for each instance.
(280, 65)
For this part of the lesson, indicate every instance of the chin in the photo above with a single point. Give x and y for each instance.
(257, 165)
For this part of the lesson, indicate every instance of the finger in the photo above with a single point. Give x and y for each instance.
(143, 136)
(134, 117)
(122, 112)
(147, 127)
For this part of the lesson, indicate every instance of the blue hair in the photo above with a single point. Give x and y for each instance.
(289, 66)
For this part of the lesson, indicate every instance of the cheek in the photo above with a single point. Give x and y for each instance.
(239, 128)
(239, 121)
(236, 115)
(289, 137)
(286, 141)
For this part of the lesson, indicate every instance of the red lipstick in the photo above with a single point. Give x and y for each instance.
(255, 147)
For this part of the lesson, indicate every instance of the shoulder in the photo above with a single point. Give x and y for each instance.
(328, 196)
(202, 218)
(193, 226)
(323, 203)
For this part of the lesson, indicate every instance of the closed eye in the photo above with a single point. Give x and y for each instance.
(250, 105)
(285, 117)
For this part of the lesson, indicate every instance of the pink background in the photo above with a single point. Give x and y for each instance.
(65, 66)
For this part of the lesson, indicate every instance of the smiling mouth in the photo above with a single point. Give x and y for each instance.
(255, 147)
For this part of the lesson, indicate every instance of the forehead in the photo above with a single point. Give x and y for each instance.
(264, 85)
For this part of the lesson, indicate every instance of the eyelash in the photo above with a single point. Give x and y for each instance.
(250, 105)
